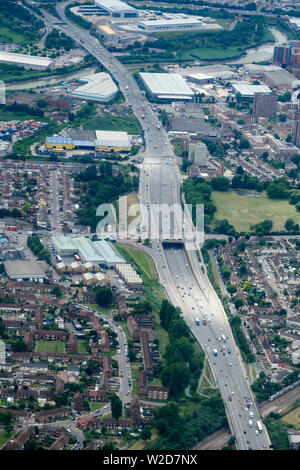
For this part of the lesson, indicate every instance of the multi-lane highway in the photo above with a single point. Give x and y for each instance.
(180, 271)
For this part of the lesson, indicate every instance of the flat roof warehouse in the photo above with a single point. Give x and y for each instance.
(167, 85)
(117, 8)
(23, 59)
(100, 251)
(99, 87)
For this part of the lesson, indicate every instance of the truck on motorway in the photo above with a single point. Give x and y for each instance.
(259, 426)
(215, 351)
(197, 321)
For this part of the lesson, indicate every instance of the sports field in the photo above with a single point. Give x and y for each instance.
(242, 211)
(50, 346)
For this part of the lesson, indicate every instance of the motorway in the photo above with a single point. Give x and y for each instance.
(182, 275)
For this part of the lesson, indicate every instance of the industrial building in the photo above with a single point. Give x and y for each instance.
(194, 126)
(98, 87)
(200, 78)
(174, 24)
(34, 62)
(26, 270)
(279, 79)
(101, 141)
(117, 9)
(247, 91)
(95, 279)
(100, 251)
(171, 86)
(107, 141)
(129, 276)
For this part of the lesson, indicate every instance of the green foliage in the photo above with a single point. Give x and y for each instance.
(240, 339)
(278, 433)
(183, 431)
(18, 24)
(104, 296)
(98, 185)
(36, 246)
(263, 228)
(183, 362)
(263, 388)
(57, 40)
(277, 191)
(285, 97)
(221, 183)
(116, 406)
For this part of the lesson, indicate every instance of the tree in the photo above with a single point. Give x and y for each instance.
(244, 143)
(231, 288)
(220, 183)
(26, 207)
(116, 406)
(57, 291)
(289, 225)
(146, 434)
(277, 191)
(238, 302)
(104, 296)
(176, 377)
(19, 346)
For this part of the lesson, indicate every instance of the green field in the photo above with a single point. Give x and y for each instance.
(43, 346)
(113, 122)
(4, 437)
(208, 53)
(242, 211)
(293, 418)
(81, 347)
(96, 406)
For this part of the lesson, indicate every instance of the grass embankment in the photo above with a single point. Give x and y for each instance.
(242, 211)
(291, 415)
(4, 437)
(140, 444)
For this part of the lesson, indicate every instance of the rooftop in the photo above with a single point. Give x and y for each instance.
(171, 84)
(114, 5)
(25, 59)
(246, 89)
(99, 251)
(99, 86)
(114, 138)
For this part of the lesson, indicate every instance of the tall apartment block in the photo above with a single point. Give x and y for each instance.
(198, 153)
(264, 105)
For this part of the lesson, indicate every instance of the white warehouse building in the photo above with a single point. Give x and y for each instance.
(98, 87)
(170, 86)
(174, 24)
(117, 9)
